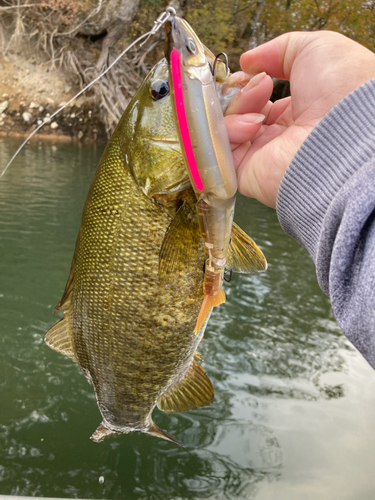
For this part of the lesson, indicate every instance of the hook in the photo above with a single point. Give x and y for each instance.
(215, 61)
(228, 280)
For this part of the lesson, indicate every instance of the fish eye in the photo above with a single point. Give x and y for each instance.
(190, 45)
(159, 89)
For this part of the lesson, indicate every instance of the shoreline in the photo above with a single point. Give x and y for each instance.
(50, 137)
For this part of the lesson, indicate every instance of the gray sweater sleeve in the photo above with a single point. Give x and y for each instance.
(326, 201)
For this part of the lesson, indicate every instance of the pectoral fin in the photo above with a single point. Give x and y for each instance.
(209, 302)
(181, 242)
(193, 391)
(244, 256)
(59, 338)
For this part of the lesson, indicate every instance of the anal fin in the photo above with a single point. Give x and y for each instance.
(59, 338)
(209, 302)
(194, 391)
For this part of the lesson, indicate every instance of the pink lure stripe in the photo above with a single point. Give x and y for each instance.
(181, 117)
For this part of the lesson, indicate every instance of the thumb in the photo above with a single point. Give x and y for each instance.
(275, 57)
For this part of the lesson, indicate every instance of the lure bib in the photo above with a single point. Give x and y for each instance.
(181, 118)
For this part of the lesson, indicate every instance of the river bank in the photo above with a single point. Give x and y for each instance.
(31, 91)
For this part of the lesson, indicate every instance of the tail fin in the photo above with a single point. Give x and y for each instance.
(155, 431)
(103, 432)
(209, 302)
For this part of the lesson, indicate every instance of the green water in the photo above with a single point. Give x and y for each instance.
(294, 411)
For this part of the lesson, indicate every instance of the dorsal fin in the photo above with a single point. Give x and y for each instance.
(194, 391)
(181, 242)
(59, 338)
(244, 256)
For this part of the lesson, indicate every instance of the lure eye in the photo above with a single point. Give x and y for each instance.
(159, 89)
(191, 46)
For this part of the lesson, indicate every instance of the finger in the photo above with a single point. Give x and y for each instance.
(265, 162)
(276, 56)
(280, 112)
(253, 97)
(242, 128)
(239, 151)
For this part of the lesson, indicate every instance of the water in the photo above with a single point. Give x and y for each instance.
(294, 408)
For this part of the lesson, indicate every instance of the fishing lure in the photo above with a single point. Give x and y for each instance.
(206, 149)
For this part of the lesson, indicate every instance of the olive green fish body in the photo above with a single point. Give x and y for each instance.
(135, 287)
(132, 334)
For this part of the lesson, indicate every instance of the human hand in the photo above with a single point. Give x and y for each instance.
(322, 68)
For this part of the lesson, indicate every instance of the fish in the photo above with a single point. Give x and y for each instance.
(134, 290)
(206, 150)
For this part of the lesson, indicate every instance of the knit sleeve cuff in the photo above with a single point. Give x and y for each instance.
(336, 148)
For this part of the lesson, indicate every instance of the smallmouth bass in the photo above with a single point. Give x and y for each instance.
(135, 288)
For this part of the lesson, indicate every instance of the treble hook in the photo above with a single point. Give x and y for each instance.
(228, 280)
(215, 61)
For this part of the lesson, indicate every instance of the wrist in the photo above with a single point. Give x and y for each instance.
(337, 147)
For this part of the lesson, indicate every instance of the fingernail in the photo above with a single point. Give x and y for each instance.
(254, 81)
(251, 118)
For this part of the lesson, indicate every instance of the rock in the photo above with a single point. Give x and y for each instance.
(41, 109)
(62, 104)
(54, 125)
(50, 100)
(34, 105)
(3, 106)
(80, 135)
(5, 96)
(73, 115)
(27, 117)
(39, 122)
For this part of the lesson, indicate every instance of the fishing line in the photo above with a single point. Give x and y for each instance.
(157, 25)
